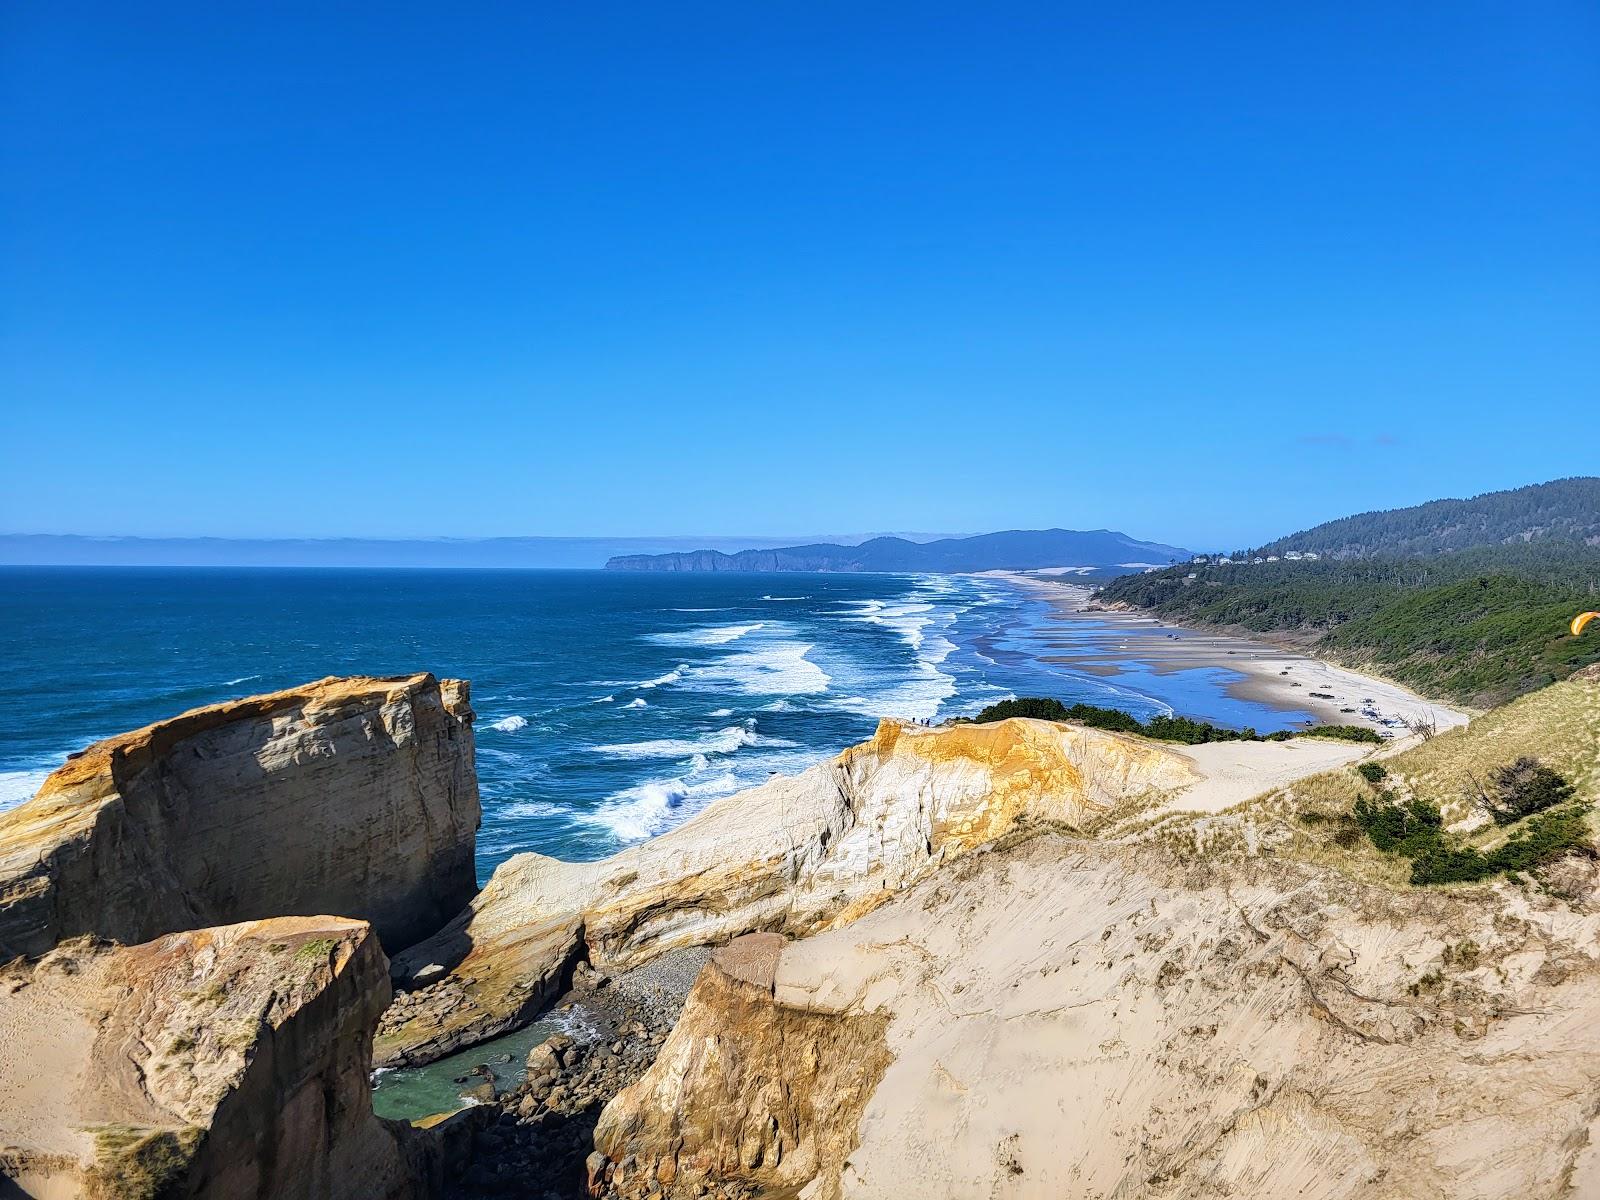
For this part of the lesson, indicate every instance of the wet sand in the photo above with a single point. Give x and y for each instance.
(1109, 644)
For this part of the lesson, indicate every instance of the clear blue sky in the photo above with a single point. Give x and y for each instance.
(1204, 272)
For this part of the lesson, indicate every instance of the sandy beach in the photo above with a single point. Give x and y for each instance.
(1110, 643)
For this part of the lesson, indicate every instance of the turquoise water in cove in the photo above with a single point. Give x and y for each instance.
(611, 706)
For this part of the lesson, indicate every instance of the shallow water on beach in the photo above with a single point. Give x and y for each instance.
(611, 706)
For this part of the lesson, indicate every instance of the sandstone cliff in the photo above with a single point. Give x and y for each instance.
(795, 855)
(1248, 1004)
(349, 796)
(228, 1062)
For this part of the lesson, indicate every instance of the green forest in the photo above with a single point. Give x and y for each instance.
(1479, 626)
(1564, 510)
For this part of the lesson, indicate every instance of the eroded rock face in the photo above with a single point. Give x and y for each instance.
(795, 855)
(228, 1062)
(1245, 1000)
(744, 1087)
(350, 796)
(1064, 1018)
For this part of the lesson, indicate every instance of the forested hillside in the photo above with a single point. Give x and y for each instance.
(1478, 626)
(1564, 509)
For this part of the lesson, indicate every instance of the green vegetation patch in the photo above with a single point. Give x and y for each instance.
(1480, 625)
(1414, 829)
(316, 950)
(1163, 729)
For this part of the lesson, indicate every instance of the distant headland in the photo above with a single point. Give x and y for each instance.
(1097, 552)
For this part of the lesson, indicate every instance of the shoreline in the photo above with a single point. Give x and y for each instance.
(1106, 643)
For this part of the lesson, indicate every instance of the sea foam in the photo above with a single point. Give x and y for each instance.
(706, 635)
(509, 724)
(779, 669)
(722, 741)
(17, 786)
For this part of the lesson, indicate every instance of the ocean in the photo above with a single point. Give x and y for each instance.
(611, 706)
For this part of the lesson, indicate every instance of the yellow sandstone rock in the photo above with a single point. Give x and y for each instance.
(795, 855)
(350, 796)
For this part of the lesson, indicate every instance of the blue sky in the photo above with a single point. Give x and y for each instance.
(1204, 273)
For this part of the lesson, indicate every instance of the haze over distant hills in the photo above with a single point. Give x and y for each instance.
(70, 550)
(1095, 552)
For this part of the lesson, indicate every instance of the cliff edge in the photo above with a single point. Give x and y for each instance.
(1252, 1002)
(351, 796)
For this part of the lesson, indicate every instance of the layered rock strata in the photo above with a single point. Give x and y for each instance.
(227, 1062)
(794, 855)
(350, 796)
(745, 1087)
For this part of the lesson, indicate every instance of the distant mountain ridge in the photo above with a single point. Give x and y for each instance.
(1563, 509)
(1098, 551)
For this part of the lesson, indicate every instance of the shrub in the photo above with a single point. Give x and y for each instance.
(1372, 772)
(1162, 728)
(1545, 837)
(1193, 733)
(1523, 788)
(1410, 829)
(1415, 830)
(1037, 707)
(1451, 864)
(1344, 733)
(1096, 717)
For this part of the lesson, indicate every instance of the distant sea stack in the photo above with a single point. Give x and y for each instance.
(1092, 552)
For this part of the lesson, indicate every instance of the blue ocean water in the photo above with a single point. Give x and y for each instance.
(611, 706)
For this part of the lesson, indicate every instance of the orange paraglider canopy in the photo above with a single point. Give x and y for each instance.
(1582, 619)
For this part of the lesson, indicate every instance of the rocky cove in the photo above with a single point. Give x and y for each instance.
(1020, 959)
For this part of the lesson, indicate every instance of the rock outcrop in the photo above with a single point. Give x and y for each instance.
(350, 796)
(229, 1062)
(794, 855)
(1247, 1003)
(745, 1087)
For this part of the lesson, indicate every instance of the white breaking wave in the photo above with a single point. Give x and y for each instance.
(708, 635)
(720, 712)
(17, 786)
(672, 676)
(646, 809)
(636, 702)
(509, 724)
(723, 741)
(653, 807)
(786, 597)
(241, 679)
(779, 669)
(906, 617)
